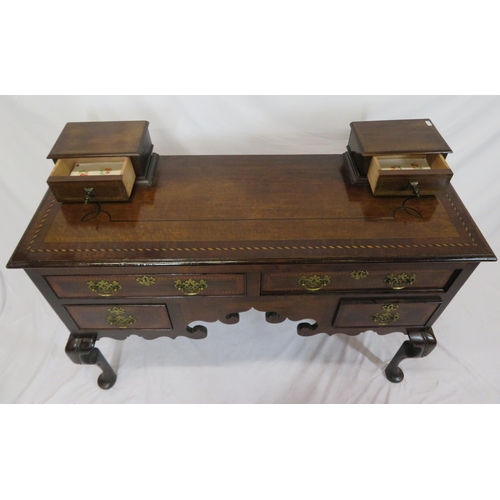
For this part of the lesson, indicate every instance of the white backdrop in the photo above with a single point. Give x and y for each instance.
(253, 361)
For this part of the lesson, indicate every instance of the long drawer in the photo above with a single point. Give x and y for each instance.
(147, 285)
(112, 317)
(404, 278)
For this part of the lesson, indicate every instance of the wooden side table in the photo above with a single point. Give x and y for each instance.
(287, 235)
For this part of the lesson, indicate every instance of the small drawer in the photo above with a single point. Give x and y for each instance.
(147, 285)
(112, 317)
(92, 179)
(384, 313)
(410, 278)
(394, 175)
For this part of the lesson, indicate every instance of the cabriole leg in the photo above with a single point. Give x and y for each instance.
(422, 342)
(82, 351)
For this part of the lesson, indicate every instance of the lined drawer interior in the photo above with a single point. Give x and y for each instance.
(391, 175)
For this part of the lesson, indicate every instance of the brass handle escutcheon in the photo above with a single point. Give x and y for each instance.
(314, 283)
(104, 288)
(400, 281)
(146, 280)
(190, 286)
(358, 275)
(388, 316)
(118, 319)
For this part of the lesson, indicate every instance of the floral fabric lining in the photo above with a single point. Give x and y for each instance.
(404, 164)
(102, 168)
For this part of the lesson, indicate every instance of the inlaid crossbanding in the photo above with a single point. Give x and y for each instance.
(316, 247)
(250, 248)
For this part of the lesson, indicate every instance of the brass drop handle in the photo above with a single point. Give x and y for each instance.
(104, 288)
(388, 316)
(314, 283)
(400, 281)
(358, 275)
(146, 280)
(190, 286)
(118, 319)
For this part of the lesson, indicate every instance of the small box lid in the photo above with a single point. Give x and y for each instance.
(399, 136)
(80, 139)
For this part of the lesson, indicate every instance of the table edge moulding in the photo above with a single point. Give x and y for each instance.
(206, 238)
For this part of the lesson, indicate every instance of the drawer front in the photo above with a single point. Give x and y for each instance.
(384, 313)
(361, 279)
(112, 317)
(147, 285)
(392, 175)
(114, 185)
